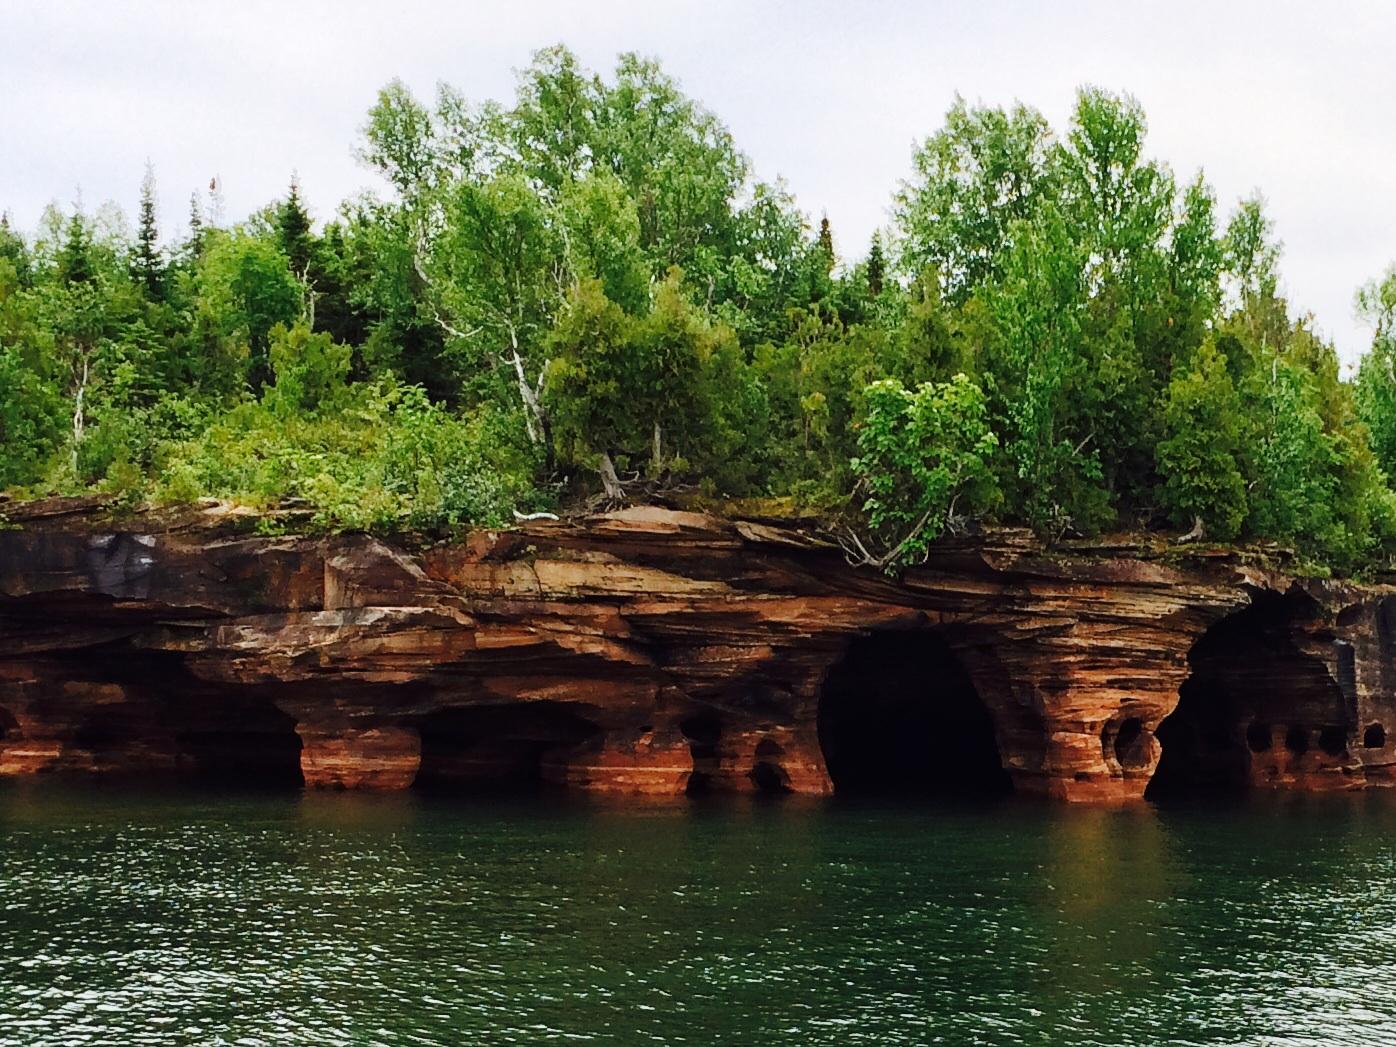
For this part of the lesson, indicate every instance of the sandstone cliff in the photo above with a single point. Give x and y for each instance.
(660, 652)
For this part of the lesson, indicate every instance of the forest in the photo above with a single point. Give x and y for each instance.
(584, 296)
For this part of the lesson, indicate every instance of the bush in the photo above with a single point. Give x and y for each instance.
(386, 460)
(32, 421)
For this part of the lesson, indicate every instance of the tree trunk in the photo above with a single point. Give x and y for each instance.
(533, 410)
(610, 482)
(79, 419)
(657, 454)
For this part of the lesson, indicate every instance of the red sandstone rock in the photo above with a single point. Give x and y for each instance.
(658, 652)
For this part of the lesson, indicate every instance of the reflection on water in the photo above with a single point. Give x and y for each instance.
(336, 919)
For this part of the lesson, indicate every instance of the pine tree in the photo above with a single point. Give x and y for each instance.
(826, 243)
(293, 228)
(194, 246)
(147, 264)
(75, 256)
(877, 266)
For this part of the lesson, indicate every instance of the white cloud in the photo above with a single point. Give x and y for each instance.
(1290, 98)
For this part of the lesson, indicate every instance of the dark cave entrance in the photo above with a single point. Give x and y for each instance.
(1253, 707)
(499, 747)
(245, 743)
(900, 715)
(143, 714)
(768, 775)
(8, 725)
(703, 732)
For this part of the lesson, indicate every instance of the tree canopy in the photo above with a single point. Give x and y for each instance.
(584, 294)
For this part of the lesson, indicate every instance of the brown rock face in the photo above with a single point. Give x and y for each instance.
(658, 652)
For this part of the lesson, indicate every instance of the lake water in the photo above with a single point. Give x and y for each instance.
(130, 918)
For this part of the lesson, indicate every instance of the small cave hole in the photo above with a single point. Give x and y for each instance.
(1259, 737)
(769, 777)
(102, 732)
(1333, 740)
(499, 747)
(8, 725)
(1374, 737)
(1131, 743)
(704, 732)
(1297, 740)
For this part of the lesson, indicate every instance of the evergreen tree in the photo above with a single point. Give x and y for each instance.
(75, 256)
(148, 267)
(293, 231)
(1203, 441)
(877, 266)
(826, 244)
(193, 245)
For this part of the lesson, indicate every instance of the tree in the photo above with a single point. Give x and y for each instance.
(824, 244)
(73, 311)
(590, 383)
(31, 420)
(1194, 266)
(1117, 202)
(813, 382)
(926, 344)
(677, 161)
(1251, 254)
(1202, 447)
(601, 239)
(877, 266)
(1294, 459)
(674, 343)
(617, 384)
(1036, 354)
(293, 232)
(1376, 374)
(75, 263)
(399, 140)
(978, 176)
(924, 459)
(246, 289)
(496, 274)
(193, 245)
(310, 370)
(554, 122)
(147, 261)
(1375, 302)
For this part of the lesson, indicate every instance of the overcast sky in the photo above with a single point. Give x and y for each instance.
(1294, 99)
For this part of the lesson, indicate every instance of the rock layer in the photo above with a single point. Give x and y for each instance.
(652, 651)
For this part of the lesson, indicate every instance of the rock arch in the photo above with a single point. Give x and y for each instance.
(240, 740)
(1261, 706)
(505, 746)
(899, 714)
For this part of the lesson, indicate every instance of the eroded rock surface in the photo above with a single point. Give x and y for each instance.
(651, 651)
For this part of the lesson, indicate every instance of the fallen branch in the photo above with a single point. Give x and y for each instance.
(1195, 534)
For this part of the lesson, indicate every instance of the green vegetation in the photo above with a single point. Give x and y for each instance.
(585, 295)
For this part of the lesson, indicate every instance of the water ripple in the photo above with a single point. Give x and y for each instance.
(332, 920)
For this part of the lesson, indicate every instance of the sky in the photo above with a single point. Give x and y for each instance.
(1293, 99)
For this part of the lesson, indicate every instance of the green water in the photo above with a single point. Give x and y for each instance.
(145, 919)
